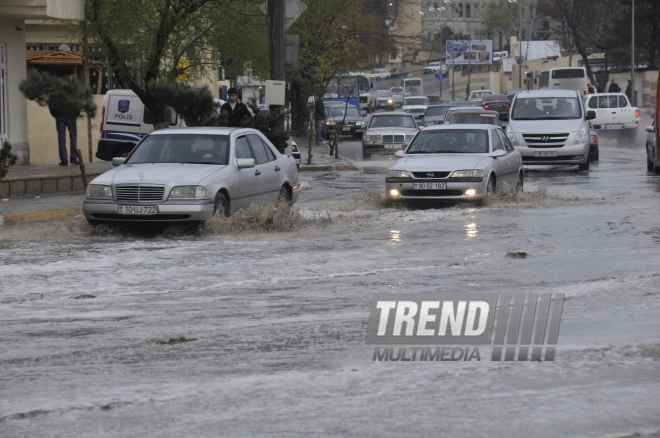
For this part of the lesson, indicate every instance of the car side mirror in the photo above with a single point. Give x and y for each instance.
(504, 117)
(497, 153)
(399, 154)
(591, 115)
(244, 163)
(650, 129)
(118, 161)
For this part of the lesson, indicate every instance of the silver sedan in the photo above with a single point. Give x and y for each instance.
(455, 163)
(191, 174)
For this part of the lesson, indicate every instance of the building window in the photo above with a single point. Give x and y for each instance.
(467, 10)
(460, 10)
(476, 10)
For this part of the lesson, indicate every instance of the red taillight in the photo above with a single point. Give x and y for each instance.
(637, 113)
(102, 118)
(485, 106)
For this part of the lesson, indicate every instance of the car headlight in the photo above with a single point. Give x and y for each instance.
(390, 101)
(409, 137)
(94, 191)
(359, 123)
(188, 192)
(372, 138)
(581, 136)
(467, 173)
(330, 122)
(398, 174)
(512, 137)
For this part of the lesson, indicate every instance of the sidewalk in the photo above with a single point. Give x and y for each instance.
(48, 179)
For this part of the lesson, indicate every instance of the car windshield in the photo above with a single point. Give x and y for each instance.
(397, 90)
(182, 148)
(488, 119)
(416, 101)
(392, 121)
(383, 93)
(460, 141)
(336, 112)
(437, 110)
(480, 93)
(546, 109)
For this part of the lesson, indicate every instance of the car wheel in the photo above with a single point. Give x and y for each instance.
(365, 155)
(125, 151)
(221, 207)
(595, 155)
(649, 164)
(631, 135)
(586, 165)
(284, 197)
(93, 222)
(491, 188)
(519, 183)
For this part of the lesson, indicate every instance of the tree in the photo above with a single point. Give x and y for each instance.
(146, 40)
(7, 159)
(578, 26)
(336, 36)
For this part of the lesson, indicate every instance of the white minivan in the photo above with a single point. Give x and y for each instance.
(124, 122)
(550, 127)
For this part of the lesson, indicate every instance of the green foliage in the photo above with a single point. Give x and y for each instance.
(195, 106)
(268, 124)
(62, 96)
(6, 159)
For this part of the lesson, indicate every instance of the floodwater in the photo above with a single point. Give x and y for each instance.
(256, 325)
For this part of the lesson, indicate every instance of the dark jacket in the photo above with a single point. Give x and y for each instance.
(614, 88)
(319, 110)
(235, 116)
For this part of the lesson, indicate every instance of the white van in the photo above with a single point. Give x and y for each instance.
(550, 127)
(124, 122)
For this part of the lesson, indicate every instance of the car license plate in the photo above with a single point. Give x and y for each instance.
(613, 126)
(137, 209)
(545, 153)
(393, 146)
(347, 128)
(430, 186)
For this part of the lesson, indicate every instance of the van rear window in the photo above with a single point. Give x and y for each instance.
(568, 73)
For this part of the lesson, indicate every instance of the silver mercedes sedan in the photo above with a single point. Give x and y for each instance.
(191, 174)
(455, 163)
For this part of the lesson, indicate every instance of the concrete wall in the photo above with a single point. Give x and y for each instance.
(12, 34)
(43, 135)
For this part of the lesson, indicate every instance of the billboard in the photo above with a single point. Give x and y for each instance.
(469, 52)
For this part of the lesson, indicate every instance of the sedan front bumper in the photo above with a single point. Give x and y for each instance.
(185, 210)
(454, 189)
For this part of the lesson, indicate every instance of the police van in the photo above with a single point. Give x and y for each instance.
(124, 122)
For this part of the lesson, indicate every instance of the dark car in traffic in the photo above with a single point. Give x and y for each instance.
(496, 102)
(435, 114)
(398, 72)
(346, 120)
(511, 92)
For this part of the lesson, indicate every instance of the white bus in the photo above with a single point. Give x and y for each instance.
(413, 86)
(564, 78)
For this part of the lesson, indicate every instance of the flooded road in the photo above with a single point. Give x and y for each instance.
(256, 326)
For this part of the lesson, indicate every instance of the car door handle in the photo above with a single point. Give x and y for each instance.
(257, 172)
(277, 168)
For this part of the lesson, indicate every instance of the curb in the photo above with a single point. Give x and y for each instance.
(40, 216)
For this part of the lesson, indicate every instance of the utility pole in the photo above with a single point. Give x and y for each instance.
(633, 101)
(276, 16)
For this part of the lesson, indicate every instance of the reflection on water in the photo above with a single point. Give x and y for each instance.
(395, 238)
(471, 230)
